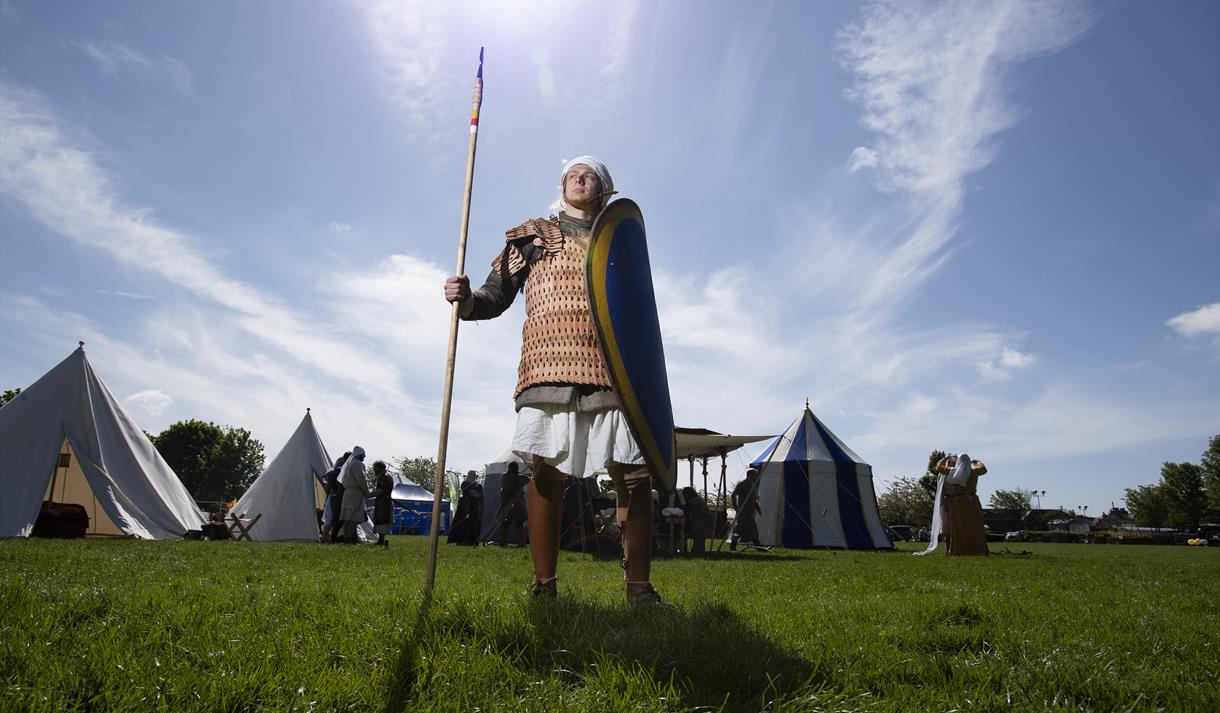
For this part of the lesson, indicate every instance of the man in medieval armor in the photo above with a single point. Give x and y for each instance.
(569, 418)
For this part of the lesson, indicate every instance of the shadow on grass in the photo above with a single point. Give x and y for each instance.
(406, 669)
(707, 657)
(729, 555)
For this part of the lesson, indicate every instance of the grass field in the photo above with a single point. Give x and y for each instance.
(180, 626)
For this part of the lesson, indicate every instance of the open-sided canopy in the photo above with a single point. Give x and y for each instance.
(702, 443)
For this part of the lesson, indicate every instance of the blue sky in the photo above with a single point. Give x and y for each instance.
(991, 227)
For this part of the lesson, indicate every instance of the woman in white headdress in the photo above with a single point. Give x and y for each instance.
(964, 512)
(354, 480)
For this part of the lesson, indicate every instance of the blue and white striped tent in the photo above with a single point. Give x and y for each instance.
(815, 492)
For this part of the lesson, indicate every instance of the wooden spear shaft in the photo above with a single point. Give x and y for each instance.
(451, 359)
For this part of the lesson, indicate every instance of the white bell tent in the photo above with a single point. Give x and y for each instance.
(68, 439)
(287, 495)
(813, 491)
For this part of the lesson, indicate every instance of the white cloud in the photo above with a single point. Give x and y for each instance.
(337, 227)
(546, 77)
(1001, 369)
(114, 58)
(1013, 359)
(929, 77)
(409, 41)
(154, 402)
(861, 157)
(615, 53)
(1201, 321)
(367, 357)
(121, 293)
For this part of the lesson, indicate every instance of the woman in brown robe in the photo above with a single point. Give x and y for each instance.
(965, 512)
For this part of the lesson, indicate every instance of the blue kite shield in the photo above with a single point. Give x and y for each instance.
(625, 315)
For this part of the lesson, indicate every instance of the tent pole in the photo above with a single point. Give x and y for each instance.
(720, 491)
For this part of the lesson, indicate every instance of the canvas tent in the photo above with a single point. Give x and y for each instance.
(576, 523)
(287, 495)
(492, 476)
(814, 491)
(68, 439)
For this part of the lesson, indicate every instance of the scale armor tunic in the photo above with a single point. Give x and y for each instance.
(558, 340)
(559, 347)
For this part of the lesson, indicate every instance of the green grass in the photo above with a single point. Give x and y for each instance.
(181, 626)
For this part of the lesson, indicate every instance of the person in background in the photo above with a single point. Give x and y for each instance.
(512, 505)
(745, 502)
(698, 520)
(332, 524)
(355, 490)
(967, 535)
(383, 503)
(468, 519)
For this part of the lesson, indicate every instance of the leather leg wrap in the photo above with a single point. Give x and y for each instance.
(545, 515)
(634, 514)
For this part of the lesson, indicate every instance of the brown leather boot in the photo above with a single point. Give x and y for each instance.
(545, 514)
(546, 590)
(635, 512)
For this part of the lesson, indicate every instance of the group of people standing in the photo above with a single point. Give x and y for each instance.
(512, 513)
(347, 489)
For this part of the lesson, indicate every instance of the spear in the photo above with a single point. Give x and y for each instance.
(450, 360)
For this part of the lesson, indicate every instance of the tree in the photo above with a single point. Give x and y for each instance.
(927, 481)
(1148, 505)
(213, 462)
(1182, 484)
(1210, 463)
(1019, 499)
(9, 395)
(421, 470)
(906, 502)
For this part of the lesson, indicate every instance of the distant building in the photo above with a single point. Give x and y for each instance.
(1116, 519)
(1075, 525)
(999, 521)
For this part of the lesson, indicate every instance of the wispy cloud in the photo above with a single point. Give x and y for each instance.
(1010, 360)
(121, 293)
(1199, 325)
(861, 157)
(929, 77)
(409, 40)
(615, 54)
(154, 402)
(336, 227)
(546, 76)
(1201, 321)
(368, 354)
(116, 58)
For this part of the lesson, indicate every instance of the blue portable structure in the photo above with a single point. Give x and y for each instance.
(814, 491)
(413, 510)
